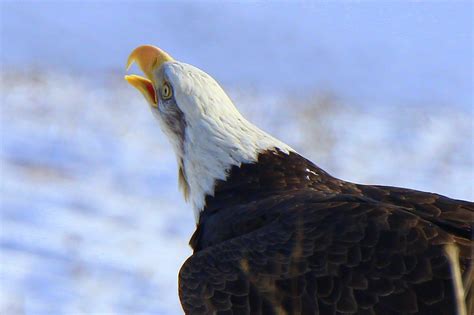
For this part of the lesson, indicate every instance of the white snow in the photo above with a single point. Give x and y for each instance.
(92, 220)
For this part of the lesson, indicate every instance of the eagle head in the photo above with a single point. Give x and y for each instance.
(207, 132)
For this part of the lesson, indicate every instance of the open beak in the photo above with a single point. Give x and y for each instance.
(148, 59)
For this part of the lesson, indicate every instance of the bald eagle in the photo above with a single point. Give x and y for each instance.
(276, 234)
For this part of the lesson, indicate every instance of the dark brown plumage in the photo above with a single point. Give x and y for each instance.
(281, 236)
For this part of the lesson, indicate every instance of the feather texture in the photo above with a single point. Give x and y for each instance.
(272, 241)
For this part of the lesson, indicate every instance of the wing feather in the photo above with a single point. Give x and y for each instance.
(326, 256)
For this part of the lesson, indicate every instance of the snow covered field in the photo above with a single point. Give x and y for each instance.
(91, 218)
(92, 221)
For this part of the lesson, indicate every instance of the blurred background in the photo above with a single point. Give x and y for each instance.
(92, 221)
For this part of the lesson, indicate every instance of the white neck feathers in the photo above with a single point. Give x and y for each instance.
(217, 136)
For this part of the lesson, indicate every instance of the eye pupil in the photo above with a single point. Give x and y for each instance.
(166, 91)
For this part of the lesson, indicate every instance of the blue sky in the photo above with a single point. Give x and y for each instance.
(372, 53)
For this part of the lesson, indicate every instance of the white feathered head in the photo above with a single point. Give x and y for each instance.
(207, 132)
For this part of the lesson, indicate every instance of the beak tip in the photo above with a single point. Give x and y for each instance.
(130, 62)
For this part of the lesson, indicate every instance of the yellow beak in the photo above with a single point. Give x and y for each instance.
(148, 59)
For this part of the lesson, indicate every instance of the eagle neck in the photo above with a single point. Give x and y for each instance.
(211, 151)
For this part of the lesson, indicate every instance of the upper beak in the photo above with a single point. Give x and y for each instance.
(148, 59)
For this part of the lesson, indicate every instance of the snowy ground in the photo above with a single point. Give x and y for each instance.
(91, 218)
(87, 184)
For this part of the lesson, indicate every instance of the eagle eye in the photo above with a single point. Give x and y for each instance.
(166, 91)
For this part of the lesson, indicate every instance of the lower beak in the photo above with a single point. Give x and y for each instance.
(145, 86)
